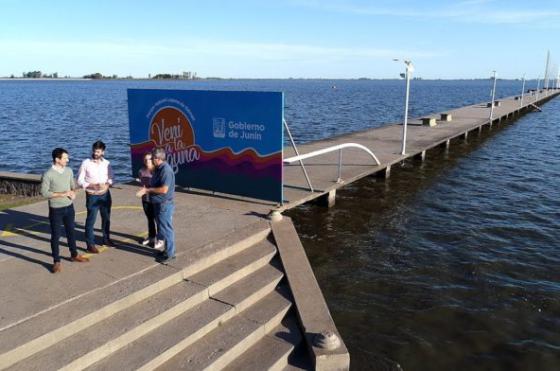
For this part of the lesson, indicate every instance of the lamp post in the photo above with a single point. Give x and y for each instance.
(493, 97)
(409, 70)
(537, 92)
(522, 91)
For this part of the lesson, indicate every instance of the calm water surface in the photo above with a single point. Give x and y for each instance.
(451, 264)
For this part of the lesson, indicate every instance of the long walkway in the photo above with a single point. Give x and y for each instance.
(385, 142)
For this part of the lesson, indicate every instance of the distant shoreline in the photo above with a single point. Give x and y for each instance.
(43, 79)
(242, 78)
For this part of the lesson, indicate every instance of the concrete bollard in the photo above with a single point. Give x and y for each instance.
(326, 340)
(275, 216)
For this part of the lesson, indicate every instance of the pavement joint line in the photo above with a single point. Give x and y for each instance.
(77, 297)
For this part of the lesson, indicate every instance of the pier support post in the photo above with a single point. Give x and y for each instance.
(446, 144)
(328, 199)
(421, 156)
(480, 130)
(466, 135)
(385, 173)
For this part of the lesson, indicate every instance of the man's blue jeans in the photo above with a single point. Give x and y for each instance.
(101, 203)
(164, 220)
(57, 217)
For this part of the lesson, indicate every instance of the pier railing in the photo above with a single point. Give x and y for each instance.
(323, 151)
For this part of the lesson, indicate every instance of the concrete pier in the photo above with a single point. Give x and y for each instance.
(235, 296)
(385, 142)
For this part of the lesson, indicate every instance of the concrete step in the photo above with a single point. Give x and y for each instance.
(273, 350)
(232, 269)
(257, 285)
(226, 343)
(44, 329)
(166, 341)
(94, 343)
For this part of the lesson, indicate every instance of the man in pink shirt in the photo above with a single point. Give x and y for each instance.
(95, 177)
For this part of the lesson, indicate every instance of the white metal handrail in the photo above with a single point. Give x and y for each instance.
(323, 151)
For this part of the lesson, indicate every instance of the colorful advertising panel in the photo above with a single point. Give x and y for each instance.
(223, 141)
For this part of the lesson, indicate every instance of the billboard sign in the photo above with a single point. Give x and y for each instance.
(223, 141)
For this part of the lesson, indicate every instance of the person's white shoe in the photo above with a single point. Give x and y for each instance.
(159, 244)
(147, 241)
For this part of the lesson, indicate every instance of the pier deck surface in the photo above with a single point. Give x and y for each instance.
(28, 288)
(385, 143)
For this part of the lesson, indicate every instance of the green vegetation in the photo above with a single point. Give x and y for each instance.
(184, 76)
(98, 76)
(10, 201)
(37, 75)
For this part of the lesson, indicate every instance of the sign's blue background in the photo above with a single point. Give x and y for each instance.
(251, 107)
(235, 169)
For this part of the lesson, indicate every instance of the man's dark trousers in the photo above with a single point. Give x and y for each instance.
(66, 216)
(101, 203)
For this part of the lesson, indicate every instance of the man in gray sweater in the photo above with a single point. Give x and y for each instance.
(58, 186)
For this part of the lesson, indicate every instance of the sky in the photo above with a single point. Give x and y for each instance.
(281, 38)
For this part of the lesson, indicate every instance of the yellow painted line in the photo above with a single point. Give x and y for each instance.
(99, 248)
(7, 231)
(13, 232)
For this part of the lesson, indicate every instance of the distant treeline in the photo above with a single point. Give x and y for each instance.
(168, 76)
(100, 76)
(37, 75)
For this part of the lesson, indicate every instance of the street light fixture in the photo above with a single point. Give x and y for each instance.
(406, 75)
(493, 97)
(522, 92)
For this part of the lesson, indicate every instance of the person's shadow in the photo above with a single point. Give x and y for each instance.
(14, 223)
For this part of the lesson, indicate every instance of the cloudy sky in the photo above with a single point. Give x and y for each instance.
(279, 39)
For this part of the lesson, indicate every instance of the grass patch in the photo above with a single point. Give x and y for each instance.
(10, 201)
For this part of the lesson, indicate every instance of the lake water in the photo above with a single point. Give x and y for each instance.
(452, 264)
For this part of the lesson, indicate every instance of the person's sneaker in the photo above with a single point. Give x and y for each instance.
(147, 241)
(79, 259)
(165, 259)
(92, 249)
(57, 267)
(159, 244)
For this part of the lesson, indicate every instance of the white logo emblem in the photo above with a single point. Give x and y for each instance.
(219, 126)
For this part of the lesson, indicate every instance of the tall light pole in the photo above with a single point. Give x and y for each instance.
(409, 70)
(537, 92)
(493, 97)
(522, 91)
(545, 81)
